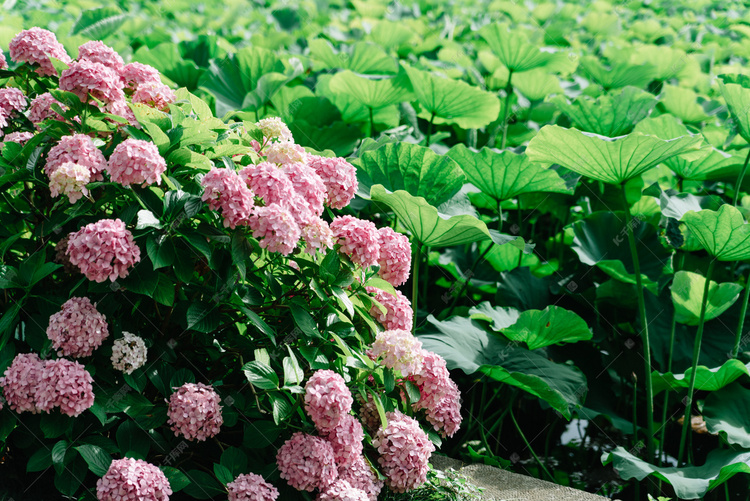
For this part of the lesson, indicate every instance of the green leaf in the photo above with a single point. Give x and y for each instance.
(132, 438)
(612, 160)
(203, 485)
(705, 379)
(202, 317)
(304, 320)
(736, 92)
(98, 24)
(293, 373)
(683, 103)
(536, 84)
(504, 175)
(690, 482)
(147, 219)
(97, 458)
(412, 391)
(447, 101)
(513, 48)
(166, 58)
(371, 92)
(723, 233)
(161, 251)
(412, 168)
(612, 114)
(726, 411)
(222, 473)
(360, 57)
(553, 325)
(280, 407)
(687, 295)
(177, 479)
(617, 74)
(426, 224)
(234, 459)
(40, 460)
(261, 375)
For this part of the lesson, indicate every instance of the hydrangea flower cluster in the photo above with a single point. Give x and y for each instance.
(65, 384)
(275, 228)
(398, 314)
(36, 46)
(274, 128)
(128, 353)
(3, 62)
(327, 399)
(194, 412)
(308, 185)
(285, 152)
(12, 101)
(360, 476)
(135, 161)
(398, 350)
(78, 149)
(317, 235)
(224, 190)
(358, 239)
(77, 329)
(137, 74)
(86, 78)
(346, 439)
(307, 462)
(20, 382)
(103, 250)
(41, 109)
(341, 490)
(18, 137)
(131, 479)
(97, 52)
(405, 451)
(395, 256)
(70, 179)
(155, 94)
(251, 487)
(340, 178)
(440, 397)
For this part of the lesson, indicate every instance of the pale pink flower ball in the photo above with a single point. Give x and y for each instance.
(340, 178)
(358, 238)
(12, 100)
(77, 329)
(341, 490)
(97, 52)
(284, 152)
(275, 228)
(395, 256)
(20, 382)
(67, 385)
(36, 46)
(78, 149)
(121, 109)
(360, 475)
(275, 128)
(41, 109)
(308, 184)
(135, 161)
(440, 397)
(317, 236)
(3, 62)
(224, 190)
(251, 487)
(269, 183)
(306, 462)
(131, 479)
(129, 353)
(136, 74)
(327, 399)
(194, 411)
(4, 116)
(398, 315)
(18, 137)
(399, 350)
(84, 78)
(69, 179)
(154, 94)
(346, 439)
(405, 451)
(103, 250)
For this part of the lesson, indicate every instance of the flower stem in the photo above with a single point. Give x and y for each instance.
(696, 356)
(508, 94)
(528, 445)
(415, 283)
(740, 177)
(644, 329)
(429, 129)
(741, 323)
(372, 122)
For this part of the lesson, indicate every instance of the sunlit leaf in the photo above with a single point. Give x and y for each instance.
(513, 48)
(687, 294)
(553, 325)
(723, 233)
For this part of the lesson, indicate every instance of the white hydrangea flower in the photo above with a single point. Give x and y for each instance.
(128, 353)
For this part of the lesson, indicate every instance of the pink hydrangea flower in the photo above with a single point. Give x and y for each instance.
(275, 128)
(306, 462)
(275, 228)
(20, 382)
(84, 78)
(440, 397)
(3, 62)
(358, 238)
(308, 184)
(154, 94)
(97, 52)
(327, 399)
(103, 250)
(224, 190)
(135, 161)
(398, 315)
(269, 183)
(346, 439)
(361, 476)
(70, 180)
(131, 479)
(284, 152)
(121, 109)
(399, 350)
(36, 46)
(136, 74)
(194, 411)
(251, 487)
(41, 109)
(405, 451)
(395, 256)
(77, 329)
(67, 385)
(12, 100)
(341, 490)
(18, 137)
(317, 236)
(340, 178)
(78, 149)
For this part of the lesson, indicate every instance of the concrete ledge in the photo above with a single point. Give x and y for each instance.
(501, 485)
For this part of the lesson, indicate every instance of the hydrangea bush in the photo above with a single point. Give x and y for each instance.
(188, 307)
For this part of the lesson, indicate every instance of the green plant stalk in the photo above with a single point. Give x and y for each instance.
(741, 323)
(508, 94)
(523, 437)
(740, 177)
(644, 329)
(696, 356)
(429, 129)
(372, 122)
(415, 283)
